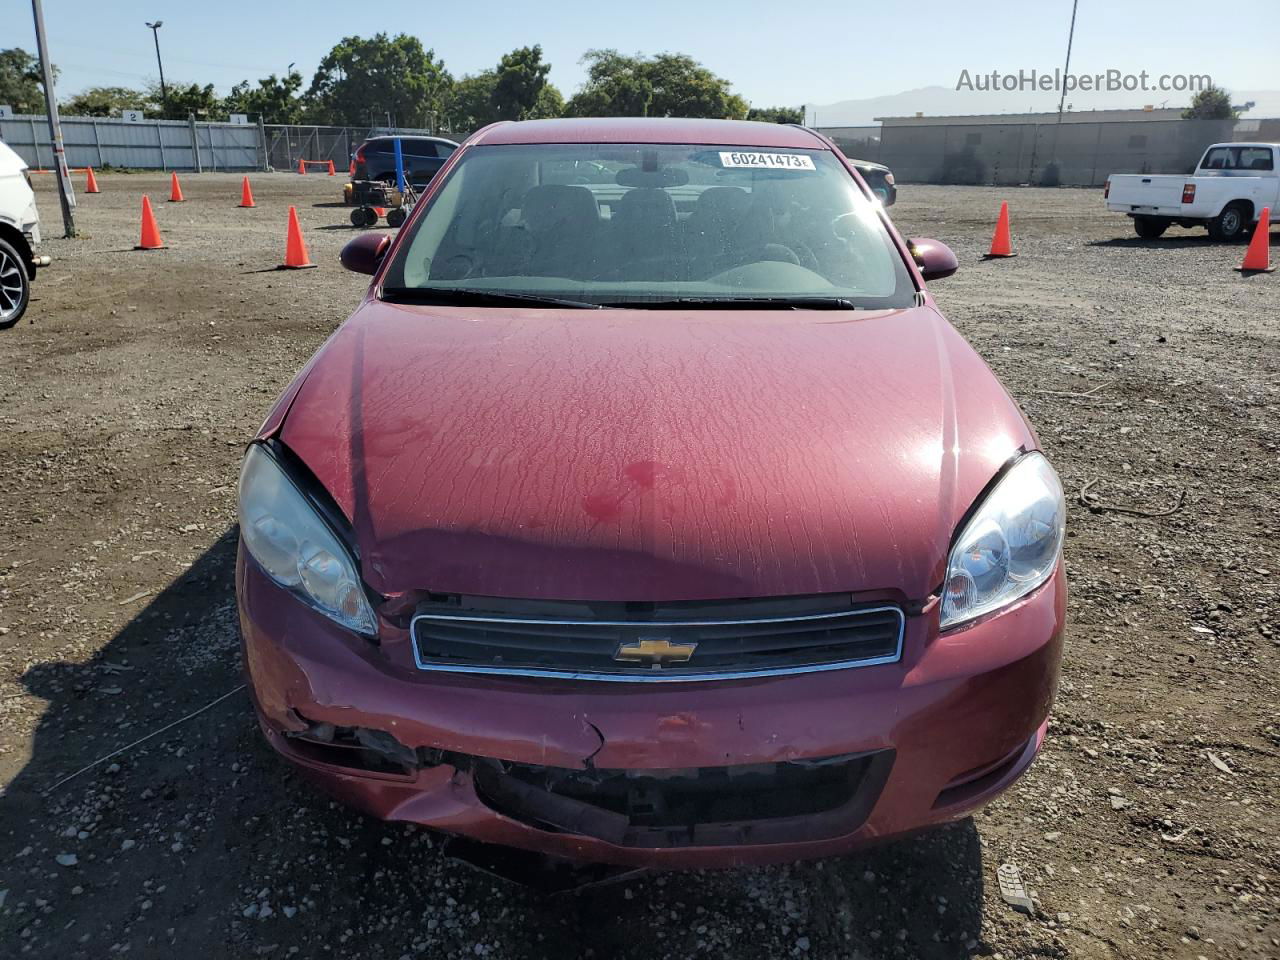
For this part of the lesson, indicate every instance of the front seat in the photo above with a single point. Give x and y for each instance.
(563, 226)
(645, 241)
(712, 230)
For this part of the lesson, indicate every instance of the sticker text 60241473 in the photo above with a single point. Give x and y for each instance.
(767, 161)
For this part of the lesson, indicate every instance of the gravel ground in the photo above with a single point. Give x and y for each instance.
(1147, 828)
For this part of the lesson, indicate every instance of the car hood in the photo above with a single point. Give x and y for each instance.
(651, 455)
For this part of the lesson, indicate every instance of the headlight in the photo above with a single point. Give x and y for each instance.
(1009, 546)
(296, 547)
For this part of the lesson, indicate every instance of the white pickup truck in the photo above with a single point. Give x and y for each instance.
(19, 233)
(1227, 192)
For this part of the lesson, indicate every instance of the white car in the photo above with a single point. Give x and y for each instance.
(1226, 194)
(19, 233)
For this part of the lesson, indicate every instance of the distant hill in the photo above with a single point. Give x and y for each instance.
(943, 101)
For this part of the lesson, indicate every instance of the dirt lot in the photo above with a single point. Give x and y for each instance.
(1147, 828)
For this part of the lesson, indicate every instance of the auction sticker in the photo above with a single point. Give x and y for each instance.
(767, 161)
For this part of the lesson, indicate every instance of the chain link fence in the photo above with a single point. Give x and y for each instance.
(286, 144)
(856, 143)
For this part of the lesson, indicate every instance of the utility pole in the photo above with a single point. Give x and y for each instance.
(1067, 68)
(66, 195)
(1057, 127)
(155, 35)
(1066, 71)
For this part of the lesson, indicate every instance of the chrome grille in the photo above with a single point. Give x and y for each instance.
(656, 642)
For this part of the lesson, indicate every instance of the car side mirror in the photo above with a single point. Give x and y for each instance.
(933, 257)
(364, 254)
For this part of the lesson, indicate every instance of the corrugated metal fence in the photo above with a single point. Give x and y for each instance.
(1073, 153)
(184, 144)
(1005, 154)
(147, 144)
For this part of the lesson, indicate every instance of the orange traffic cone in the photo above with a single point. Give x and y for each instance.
(246, 194)
(1001, 243)
(332, 172)
(1257, 259)
(175, 190)
(295, 251)
(150, 232)
(302, 166)
(90, 181)
(380, 211)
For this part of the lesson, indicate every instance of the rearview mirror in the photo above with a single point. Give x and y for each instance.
(365, 252)
(933, 257)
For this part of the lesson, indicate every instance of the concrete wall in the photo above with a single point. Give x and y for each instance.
(1072, 154)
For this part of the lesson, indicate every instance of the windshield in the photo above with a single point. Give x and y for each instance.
(646, 224)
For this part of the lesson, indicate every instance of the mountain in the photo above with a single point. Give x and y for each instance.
(944, 101)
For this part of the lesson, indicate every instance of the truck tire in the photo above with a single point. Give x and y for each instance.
(1231, 224)
(15, 286)
(1149, 228)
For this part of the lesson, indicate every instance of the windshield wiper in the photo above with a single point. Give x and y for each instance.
(744, 303)
(479, 298)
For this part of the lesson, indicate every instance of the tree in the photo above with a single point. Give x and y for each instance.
(273, 100)
(470, 105)
(682, 87)
(665, 85)
(521, 78)
(21, 85)
(776, 114)
(616, 85)
(106, 102)
(362, 80)
(1211, 103)
(517, 89)
(183, 100)
(550, 103)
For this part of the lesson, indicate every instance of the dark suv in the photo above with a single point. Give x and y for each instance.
(879, 178)
(375, 159)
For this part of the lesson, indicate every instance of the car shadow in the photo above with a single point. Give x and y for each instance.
(920, 897)
(348, 226)
(1175, 242)
(195, 838)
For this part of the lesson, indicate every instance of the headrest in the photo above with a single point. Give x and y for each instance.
(655, 207)
(553, 205)
(722, 202)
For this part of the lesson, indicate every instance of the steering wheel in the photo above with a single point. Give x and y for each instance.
(842, 226)
(461, 261)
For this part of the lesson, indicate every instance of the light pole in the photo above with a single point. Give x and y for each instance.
(155, 35)
(66, 195)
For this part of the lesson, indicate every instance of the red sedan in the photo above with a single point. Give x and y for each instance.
(647, 511)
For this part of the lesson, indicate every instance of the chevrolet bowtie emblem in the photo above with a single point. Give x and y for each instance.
(657, 652)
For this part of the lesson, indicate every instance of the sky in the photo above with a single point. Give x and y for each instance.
(773, 53)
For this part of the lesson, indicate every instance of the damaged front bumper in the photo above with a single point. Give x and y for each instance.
(732, 772)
